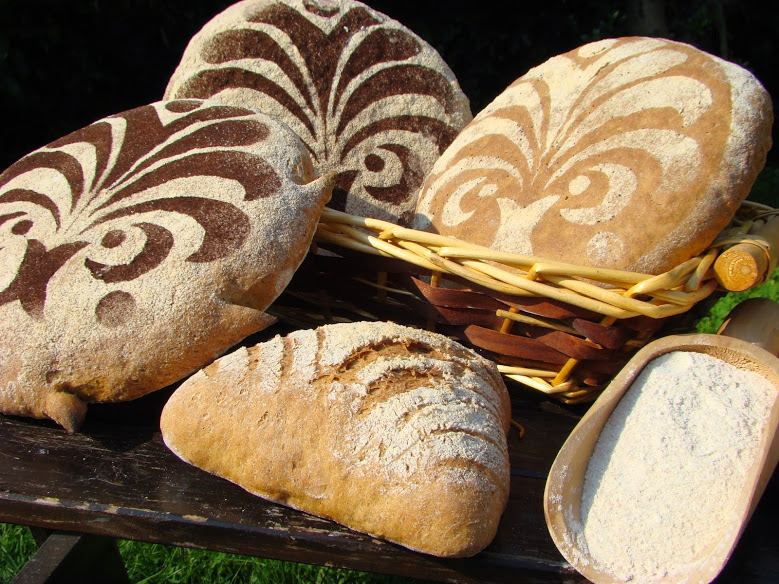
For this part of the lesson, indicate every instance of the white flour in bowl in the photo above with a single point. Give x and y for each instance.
(671, 463)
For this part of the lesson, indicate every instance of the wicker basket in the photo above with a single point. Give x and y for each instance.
(561, 329)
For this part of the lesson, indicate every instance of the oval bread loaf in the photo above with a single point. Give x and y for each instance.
(630, 153)
(389, 430)
(136, 250)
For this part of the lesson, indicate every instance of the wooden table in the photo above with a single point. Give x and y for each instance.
(116, 479)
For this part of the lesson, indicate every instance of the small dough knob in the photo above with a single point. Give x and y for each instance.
(66, 409)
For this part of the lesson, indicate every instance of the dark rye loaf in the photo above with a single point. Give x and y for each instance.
(372, 101)
(389, 430)
(139, 248)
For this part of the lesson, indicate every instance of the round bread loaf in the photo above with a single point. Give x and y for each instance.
(389, 430)
(141, 247)
(371, 100)
(629, 153)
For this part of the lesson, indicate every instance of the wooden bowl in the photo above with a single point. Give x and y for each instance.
(757, 320)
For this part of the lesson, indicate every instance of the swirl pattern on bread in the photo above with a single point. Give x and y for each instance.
(138, 248)
(630, 153)
(371, 100)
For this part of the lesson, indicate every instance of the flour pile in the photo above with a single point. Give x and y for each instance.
(671, 463)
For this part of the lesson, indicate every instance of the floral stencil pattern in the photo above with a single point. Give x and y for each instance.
(600, 155)
(103, 192)
(372, 101)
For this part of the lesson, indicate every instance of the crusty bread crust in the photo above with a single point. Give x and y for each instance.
(140, 248)
(373, 102)
(630, 153)
(389, 430)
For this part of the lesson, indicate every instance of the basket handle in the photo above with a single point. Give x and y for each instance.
(746, 264)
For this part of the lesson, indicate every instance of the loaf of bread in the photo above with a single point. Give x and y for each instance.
(373, 101)
(139, 248)
(388, 430)
(630, 153)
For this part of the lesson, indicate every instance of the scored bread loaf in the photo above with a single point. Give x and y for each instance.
(391, 431)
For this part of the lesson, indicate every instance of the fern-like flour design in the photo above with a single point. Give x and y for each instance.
(371, 101)
(99, 188)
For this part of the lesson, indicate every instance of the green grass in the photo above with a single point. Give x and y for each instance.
(711, 322)
(152, 563)
(159, 564)
(16, 546)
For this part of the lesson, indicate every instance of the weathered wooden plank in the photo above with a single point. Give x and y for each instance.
(116, 478)
(121, 481)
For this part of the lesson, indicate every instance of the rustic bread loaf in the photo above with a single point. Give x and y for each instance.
(391, 431)
(629, 153)
(372, 101)
(139, 248)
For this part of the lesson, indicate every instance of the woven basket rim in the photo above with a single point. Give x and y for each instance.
(609, 295)
(617, 294)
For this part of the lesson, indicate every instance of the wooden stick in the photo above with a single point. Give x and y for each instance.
(696, 279)
(539, 384)
(565, 371)
(746, 264)
(527, 371)
(666, 281)
(519, 427)
(514, 315)
(755, 320)
(544, 290)
(506, 326)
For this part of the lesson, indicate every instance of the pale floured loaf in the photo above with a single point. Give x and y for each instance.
(371, 100)
(139, 248)
(391, 431)
(630, 153)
